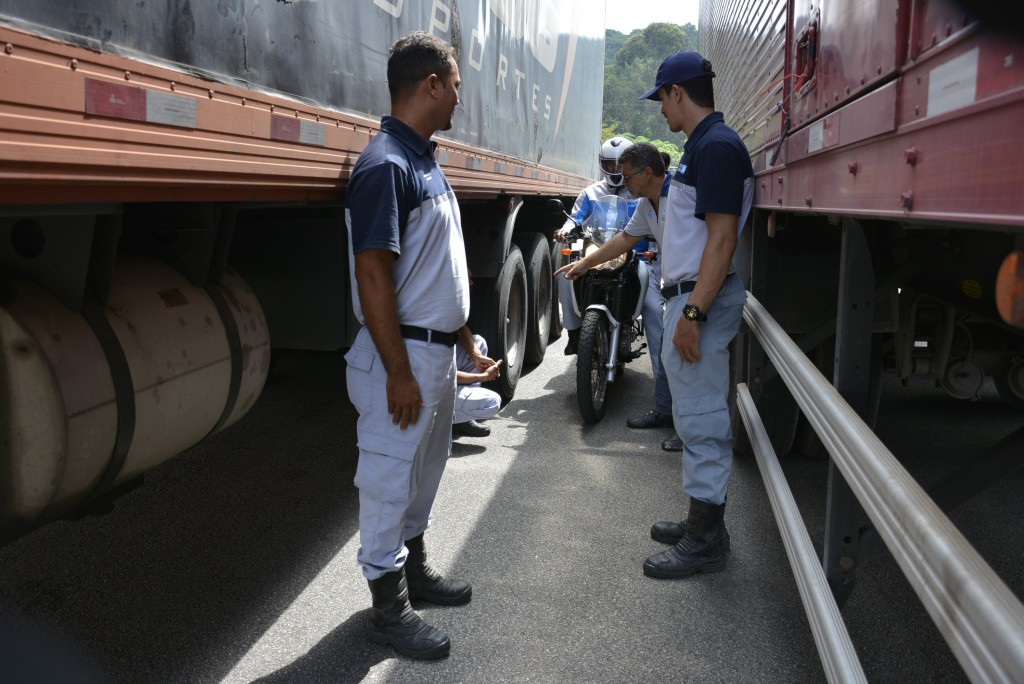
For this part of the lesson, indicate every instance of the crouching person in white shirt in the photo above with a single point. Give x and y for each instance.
(474, 403)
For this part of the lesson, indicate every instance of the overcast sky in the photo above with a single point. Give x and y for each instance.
(626, 15)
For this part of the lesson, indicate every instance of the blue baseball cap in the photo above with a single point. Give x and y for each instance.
(681, 67)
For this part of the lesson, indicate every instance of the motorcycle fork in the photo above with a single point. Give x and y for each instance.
(616, 330)
(613, 343)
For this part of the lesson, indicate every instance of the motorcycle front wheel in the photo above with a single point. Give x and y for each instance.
(592, 367)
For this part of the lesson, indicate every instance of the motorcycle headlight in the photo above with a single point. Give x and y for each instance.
(602, 235)
(608, 265)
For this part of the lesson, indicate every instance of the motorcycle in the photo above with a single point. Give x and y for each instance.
(609, 299)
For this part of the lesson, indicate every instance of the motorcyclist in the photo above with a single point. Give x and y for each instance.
(611, 184)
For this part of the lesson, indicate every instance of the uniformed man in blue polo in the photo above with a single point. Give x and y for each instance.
(697, 226)
(707, 204)
(410, 292)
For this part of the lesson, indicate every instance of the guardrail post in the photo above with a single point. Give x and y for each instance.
(852, 378)
(755, 277)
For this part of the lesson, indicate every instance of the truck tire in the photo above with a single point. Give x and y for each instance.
(539, 288)
(779, 413)
(499, 314)
(556, 311)
(806, 442)
(1009, 385)
(778, 409)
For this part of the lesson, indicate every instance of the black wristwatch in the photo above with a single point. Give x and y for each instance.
(693, 313)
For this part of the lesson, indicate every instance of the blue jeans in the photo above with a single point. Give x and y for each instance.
(654, 327)
(700, 392)
(570, 319)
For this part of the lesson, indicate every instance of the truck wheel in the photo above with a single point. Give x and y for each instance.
(1009, 382)
(806, 442)
(539, 286)
(776, 406)
(591, 371)
(499, 314)
(556, 311)
(779, 413)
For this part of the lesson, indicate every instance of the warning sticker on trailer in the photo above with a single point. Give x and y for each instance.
(120, 101)
(954, 84)
(290, 129)
(171, 110)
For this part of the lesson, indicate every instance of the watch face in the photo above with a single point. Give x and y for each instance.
(690, 312)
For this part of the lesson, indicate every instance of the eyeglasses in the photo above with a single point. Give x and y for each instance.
(627, 176)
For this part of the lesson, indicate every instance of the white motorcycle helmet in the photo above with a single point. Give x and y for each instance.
(611, 150)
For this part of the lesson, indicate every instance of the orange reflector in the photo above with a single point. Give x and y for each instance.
(647, 255)
(1010, 289)
(566, 251)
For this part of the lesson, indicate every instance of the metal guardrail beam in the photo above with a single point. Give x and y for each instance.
(977, 614)
(838, 657)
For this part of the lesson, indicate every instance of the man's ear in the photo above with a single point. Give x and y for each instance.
(434, 84)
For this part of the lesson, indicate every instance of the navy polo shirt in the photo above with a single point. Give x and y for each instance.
(399, 200)
(714, 175)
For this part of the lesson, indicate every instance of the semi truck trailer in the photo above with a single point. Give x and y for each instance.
(172, 193)
(886, 236)
(903, 118)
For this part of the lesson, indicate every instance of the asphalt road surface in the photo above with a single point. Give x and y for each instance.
(235, 562)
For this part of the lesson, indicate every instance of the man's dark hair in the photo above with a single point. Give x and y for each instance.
(700, 90)
(414, 57)
(643, 155)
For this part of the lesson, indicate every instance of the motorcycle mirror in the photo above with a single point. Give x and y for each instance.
(556, 206)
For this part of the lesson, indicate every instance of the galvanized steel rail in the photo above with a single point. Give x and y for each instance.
(838, 657)
(979, 617)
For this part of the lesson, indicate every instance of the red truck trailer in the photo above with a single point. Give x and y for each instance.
(888, 149)
(172, 189)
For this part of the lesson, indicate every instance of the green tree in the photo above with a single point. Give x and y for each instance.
(613, 41)
(674, 151)
(656, 42)
(630, 68)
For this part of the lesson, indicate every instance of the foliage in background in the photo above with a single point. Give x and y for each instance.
(631, 63)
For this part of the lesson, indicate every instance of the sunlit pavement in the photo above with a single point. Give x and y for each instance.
(235, 562)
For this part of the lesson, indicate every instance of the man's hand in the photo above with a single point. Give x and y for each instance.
(380, 308)
(491, 372)
(404, 399)
(723, 230)
(686, 340)
(562, 234)
(484, 362)
(574, 270)
(485, 375)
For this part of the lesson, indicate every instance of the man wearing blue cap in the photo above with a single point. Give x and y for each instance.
(708, 202)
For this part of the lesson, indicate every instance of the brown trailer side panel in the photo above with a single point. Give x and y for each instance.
(913, 118)
(83, 126)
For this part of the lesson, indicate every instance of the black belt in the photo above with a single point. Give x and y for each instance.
(411, 332)
(676, 289)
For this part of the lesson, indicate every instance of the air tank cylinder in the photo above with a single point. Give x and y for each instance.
(90, 400)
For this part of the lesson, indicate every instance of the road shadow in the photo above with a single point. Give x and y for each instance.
(344, 656)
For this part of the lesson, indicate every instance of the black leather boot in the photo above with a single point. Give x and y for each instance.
(394, 623)
(471, 428)
(427, 584)
(698, 551)
(573, 343)
(668, 532)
